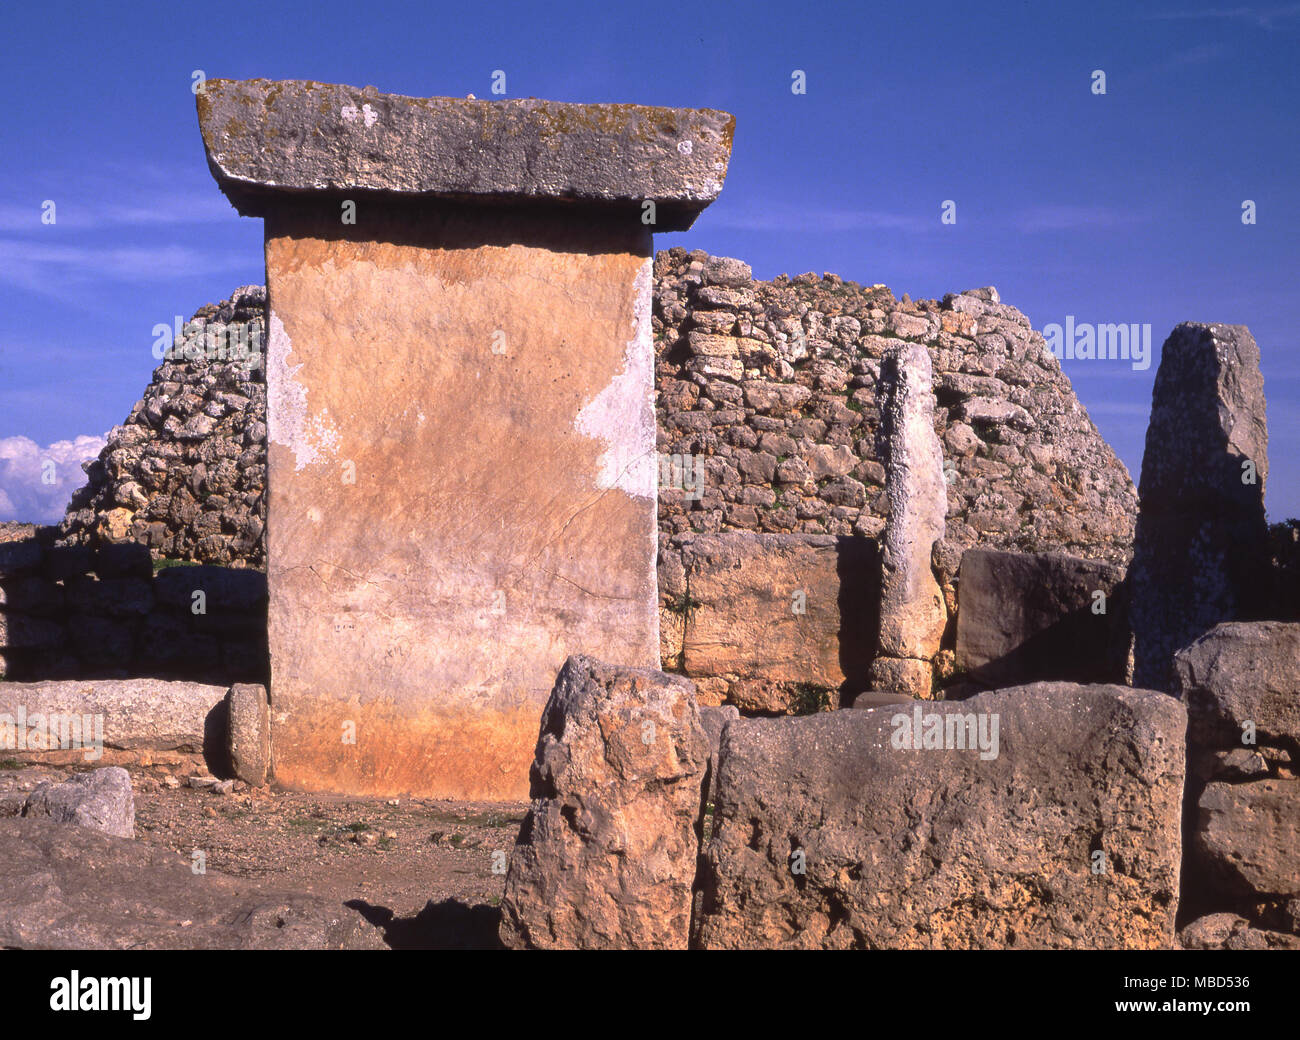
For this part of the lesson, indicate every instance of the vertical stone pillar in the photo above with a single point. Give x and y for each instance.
(461, 411)
(1200, 552)
(912, 614)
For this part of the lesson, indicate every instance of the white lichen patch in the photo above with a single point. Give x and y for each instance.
(622, 415)
(288, 422)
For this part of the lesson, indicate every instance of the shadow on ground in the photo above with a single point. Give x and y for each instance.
(449, 925)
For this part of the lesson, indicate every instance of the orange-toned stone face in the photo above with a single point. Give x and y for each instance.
(462, 486)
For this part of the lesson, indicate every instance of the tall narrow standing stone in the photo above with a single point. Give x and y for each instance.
(460, 395)
(912, 613)
(1200, 553)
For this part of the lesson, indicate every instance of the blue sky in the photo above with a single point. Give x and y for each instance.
(1117, 208)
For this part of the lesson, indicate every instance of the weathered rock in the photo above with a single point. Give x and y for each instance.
(249, 732)
(70, 888)
(912, 614)
(1027, 617)
(1239, 673)
(152, 713)
(266, 140)
(776, 616)
(1200, 555)
(607, 854)
(951, 848)
(1230, 932)
(713, 720)
(101, 800)
(1248, 838)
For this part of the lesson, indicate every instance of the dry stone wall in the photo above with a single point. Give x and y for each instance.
(773, 385)
(766, 390)
(186, 473)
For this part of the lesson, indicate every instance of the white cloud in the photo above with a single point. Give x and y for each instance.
(24, 494)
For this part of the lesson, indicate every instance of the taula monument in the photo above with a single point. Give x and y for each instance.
(460, 398)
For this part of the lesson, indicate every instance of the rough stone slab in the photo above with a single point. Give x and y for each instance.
(502, 514)
(101, 800)
(1028, 617)
(137, 713)
(607, 854)
(249, 732)
(269, 140)
(69, 888)
(1242, 672)
(944, 849)
(740, 619)
(1200, 550)
(1248, 837)
(1230, 932)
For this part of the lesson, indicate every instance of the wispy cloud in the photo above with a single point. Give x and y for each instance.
(787, 219)
(1070, 217)
(1263, 17)
(54, 269)
(84, 211)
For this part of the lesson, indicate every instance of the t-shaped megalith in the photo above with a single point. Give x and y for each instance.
(461, 475)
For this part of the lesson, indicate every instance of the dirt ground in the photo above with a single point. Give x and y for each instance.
(419, 869)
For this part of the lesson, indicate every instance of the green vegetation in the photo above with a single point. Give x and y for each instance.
(162, 563)
(809, 699)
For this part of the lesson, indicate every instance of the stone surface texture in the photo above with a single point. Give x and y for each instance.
(248, 714)
(268, 141)
(912, 610)
(431, 567)
(1201, 550)
(137, 713)
(67, 888)
(100, 800)
(1241, 686)
(768, 622)
(1026, 617)
(942, 848)
(607, 854)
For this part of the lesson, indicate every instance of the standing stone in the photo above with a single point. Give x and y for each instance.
(248, 730)
(912, 614)
(607, 854)
(460, 394)
(1200, 554)
(101, 800)
(836, 831)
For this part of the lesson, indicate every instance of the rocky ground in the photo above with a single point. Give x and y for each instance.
(419, 870)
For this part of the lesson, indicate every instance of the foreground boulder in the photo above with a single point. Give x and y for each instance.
(70, 888)
(101, 800)
(1230, 932)
(607, 854)
(1027, 617)
(1247, 840)
(1241, 685)
(1057, 826)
